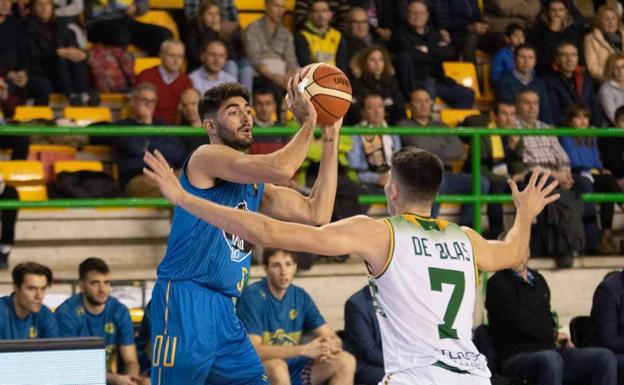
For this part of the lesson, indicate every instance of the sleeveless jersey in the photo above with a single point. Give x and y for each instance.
(204, 253)
(424, 297)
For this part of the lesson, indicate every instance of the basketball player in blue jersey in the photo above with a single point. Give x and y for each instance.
(423, 271)
(196, 336)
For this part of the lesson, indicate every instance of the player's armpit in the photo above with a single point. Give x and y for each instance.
(492, 255)
(215, 161)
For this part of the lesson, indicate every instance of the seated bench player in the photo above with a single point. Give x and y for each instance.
(22, 313)
(276, 314)
(95, 313)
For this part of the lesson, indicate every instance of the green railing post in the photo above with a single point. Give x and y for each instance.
(475, 154)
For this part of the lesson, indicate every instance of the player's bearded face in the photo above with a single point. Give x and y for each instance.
(96, 288)
(235, 133)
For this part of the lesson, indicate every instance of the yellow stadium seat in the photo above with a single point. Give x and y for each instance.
(97, 149)
(22, 172)
(246, 18)
(113, 98)
(464, 74)
(136, 315)
(88, 115)
(161, 19)
(452, 117)
(37, 192)
(34, 149)
(57, 99)
(166, 4)
(77, 165)
(28, 113)
(258, 5)
(143, 63)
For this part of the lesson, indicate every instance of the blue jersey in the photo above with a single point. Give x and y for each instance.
(279, 323)
(36, 325)
(203, 253)
(113, 325)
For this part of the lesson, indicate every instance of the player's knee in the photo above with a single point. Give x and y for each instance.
(346, 362)
(276, 369)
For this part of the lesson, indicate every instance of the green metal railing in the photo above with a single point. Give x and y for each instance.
(476, 198)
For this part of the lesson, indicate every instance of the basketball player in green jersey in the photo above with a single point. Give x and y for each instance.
(423, 271)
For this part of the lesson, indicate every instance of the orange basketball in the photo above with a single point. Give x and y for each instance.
(329, 90)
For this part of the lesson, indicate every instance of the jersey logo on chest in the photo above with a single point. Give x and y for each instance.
(239, 248)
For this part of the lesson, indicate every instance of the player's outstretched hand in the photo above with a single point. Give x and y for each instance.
(298, 102)
(159, 171)
(532, 200)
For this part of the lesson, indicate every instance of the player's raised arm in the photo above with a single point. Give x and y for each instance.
(514, 249)
(316, 209)
(359, 235)
(229, 122)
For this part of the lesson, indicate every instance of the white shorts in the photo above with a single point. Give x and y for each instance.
(432, 375)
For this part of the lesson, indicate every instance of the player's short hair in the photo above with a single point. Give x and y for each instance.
(92, 264)
(419, 171)
(215, 96)
(20, 271)
(268, 252)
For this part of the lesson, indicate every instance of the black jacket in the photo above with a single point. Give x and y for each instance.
(387, 87)
(362, 336)
(546, 41)
(607, 313)
(562, 95)
(42, 41)
(519, 314)
(429, 64)
(13, 49)
(612, 155)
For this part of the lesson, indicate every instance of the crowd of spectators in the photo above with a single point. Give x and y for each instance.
(547, 61)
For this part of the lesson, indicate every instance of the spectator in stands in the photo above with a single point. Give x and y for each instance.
(169, 79)
(503, 60)
(611, 93)
(542, 151)
(607, 319)
(466, 25)
(23, 314)
(318, 42)
(339, 11)
(113, 24)
(590, 176)
(209, 26)
(448, 148)
(54, 53)
(362, 337)
(188, 115)
(271, 49)
(129, 151)
(229, 13)
(95, 313)
(555, 26)
(612, 150)
(265, 115)
(526, 338)
(211, 73)
(420, 53)
(523, 76)
(17, 144)
(276, 314)
(571, 84)
(374, 74)
(605, 39)
(502, 13)
(370, 155)
(494, 166)
(8, 218)
(359, 36)
(14, 61)
(384, 15)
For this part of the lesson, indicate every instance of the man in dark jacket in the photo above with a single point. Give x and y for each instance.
(526, 338)
(607, 315)
(571, 84)
(466, 25)
(130, 150)
(555, 26)
(362, 337)
(420, 53)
